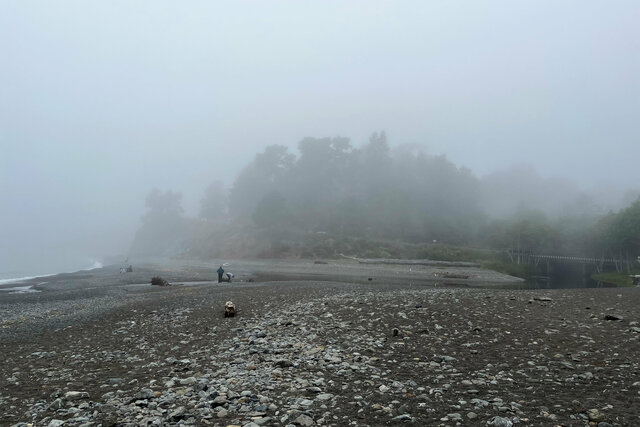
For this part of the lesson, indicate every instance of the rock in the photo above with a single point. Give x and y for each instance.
(55, 423)
(324, 396)
(586, 376)
(445, 359)
(576, 406)
(303, 420)
(403, 417)
(178, 413)
(188, 381)
(283, 363)
(472, 415)
(613, 317)
(55, 405)
(595, 415)
(76, 395)
(500, 422)
(383, 388)
(145, 393)
(219, 400)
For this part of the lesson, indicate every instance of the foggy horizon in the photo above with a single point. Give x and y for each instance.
(101, 103)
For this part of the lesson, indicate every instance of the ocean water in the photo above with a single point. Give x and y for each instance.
(17, 277)
(21, 275)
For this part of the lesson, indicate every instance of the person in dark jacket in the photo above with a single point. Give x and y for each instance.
(220, 273)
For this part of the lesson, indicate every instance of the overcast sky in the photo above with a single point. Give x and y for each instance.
(102, 101)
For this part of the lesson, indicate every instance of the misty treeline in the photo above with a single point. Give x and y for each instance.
(334, 192)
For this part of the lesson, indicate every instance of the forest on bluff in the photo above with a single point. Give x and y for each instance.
(375, 201)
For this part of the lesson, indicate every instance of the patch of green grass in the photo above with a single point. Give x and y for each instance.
(620, 279)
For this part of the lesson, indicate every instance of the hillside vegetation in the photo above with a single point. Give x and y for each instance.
(376, 202)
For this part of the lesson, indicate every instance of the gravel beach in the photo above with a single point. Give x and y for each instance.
(316, 344)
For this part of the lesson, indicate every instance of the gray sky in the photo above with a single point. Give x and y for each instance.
(102, 101)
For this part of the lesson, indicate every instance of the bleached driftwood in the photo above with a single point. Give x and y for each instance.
(428, 262)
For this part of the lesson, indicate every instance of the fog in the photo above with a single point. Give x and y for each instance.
(100, 102)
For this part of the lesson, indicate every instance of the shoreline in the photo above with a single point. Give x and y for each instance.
(19, 280)
(289, 268)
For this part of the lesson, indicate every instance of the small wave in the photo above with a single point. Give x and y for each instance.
(20, 290)
(95, 264)
(22, 279)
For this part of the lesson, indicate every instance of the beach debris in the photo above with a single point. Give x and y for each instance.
(159, 281)
(229, 309)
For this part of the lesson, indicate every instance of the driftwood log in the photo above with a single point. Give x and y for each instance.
(159, 281)
(428, 262)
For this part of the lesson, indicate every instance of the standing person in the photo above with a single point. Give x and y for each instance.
(220, 273)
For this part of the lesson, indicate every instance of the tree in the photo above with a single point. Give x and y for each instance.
(164, 230)
(266, 173)
(163, 204)
(318, 180)
(214, 204)
(623, 234)
(271, 210)
(274, 163)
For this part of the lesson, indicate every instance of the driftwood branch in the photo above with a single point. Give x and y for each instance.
(428, 262)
